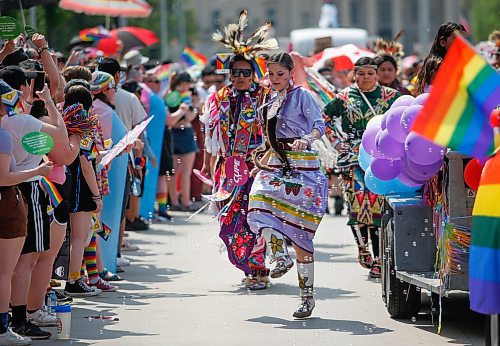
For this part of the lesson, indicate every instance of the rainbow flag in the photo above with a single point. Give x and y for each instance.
(54, 195)
(464, 92)
(94, 34)
(192, 57)
(104, 231)
(484, 260)
(260, 66)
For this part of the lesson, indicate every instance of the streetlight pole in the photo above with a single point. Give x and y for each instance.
(182, 25)
(164, 29)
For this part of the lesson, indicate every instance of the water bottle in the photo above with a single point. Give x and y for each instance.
(52, 302)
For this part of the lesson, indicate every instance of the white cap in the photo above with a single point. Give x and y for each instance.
(134, 58)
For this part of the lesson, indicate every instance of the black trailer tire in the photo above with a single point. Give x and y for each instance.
(402, 299)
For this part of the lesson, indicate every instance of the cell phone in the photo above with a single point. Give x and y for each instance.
(39, 82)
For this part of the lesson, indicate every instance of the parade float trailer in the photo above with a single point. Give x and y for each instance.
(424, 243)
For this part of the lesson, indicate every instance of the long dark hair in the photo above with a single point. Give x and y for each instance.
(426, 73)
(286, 61)
(78, 94)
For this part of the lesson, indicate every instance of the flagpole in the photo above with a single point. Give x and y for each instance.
(33, 21)
(182, 26)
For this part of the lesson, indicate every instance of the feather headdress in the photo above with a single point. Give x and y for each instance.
(232, 38)
(392, 47)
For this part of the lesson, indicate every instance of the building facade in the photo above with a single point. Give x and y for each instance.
(385, 18)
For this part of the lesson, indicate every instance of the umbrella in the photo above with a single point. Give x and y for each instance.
(109, 8)
(6, 5)
(344, 56)
(131, 37)
(94, 34)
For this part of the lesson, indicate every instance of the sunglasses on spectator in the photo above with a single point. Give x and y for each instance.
(219, 81)
(244, 72)
(112, 86)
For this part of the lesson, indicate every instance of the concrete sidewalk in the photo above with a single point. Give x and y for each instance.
(181, 290)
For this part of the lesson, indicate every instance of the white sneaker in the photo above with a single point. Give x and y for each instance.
(12, 338)
(128, 246)
(122, 262)
(42, 318)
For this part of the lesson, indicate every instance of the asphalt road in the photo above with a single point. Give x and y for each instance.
(181, 290)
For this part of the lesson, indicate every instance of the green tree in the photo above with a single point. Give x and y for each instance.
(485, 16)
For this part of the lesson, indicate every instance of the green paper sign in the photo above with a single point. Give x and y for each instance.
(29, 31)
(37, 143)
(9, 28)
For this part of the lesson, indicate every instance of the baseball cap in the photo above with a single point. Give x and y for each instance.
(15, 76)
(100, 81)
(110, 66)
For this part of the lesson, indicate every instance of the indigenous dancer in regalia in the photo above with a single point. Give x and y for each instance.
(232, 134)
(289, 194)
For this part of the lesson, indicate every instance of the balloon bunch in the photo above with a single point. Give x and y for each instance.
(395, 159)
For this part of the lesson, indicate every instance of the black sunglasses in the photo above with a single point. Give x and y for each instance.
(152, 81)
(245, 72)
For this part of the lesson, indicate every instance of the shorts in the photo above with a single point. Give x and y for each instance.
(38, 232)
(80, 197)
(184, 141)
(61, 212)
(167, 155)
(13, 213)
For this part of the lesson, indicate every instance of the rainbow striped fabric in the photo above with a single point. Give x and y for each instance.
(94, 34)
(192, 57)
(465, 91)
(259, 65)
(484, 260)
(54, 195)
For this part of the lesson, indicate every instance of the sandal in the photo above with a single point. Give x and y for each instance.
(305, 308)
(365, 258)
(109, 276)
(375, 271)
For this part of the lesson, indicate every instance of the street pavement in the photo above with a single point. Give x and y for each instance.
(181, 290)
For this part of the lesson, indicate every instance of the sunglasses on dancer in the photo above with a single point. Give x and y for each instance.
(245, 72)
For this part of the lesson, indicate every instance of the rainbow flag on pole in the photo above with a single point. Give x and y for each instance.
(192, 57)
(465, 91)
(484, 260)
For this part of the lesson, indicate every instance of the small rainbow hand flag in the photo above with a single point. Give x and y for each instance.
(260, 66)
(94, 34)
(54, 195)
(484, 259)
(192, 57)
(464, 93)
(104, 232)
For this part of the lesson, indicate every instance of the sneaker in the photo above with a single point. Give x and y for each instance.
(122, 262)
(80, 289)
(42, 318)
(62, 299)
(12, 338)
(127, 246)
(164, 216)
(283, 265)
(305, 308)
(28, 329)
(139, 224)
(104, 286)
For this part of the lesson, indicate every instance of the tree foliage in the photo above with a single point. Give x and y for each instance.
(485, 18)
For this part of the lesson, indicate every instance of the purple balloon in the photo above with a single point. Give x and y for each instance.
(406, 180)
(408, 117)
(404, 100)
(393, 123)
(420, 99)
(414, 176)
(421, 150)
(427, 171)
(386, 169)
(369, 135)
(388, 147)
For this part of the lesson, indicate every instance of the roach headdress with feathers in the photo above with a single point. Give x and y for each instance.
(232, 38)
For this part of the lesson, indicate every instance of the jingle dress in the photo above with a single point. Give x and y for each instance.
(293, 204)
(349, 115)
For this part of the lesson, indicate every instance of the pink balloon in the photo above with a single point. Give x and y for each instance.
(388, 147)
(426, 171)
(404, 100)
(371, 130)
(393, 123)
(408, 117)
(386, 169)
(421, 150)
(420, 99)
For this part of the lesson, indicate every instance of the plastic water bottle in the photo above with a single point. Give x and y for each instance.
(52, 302)
(63, 313)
